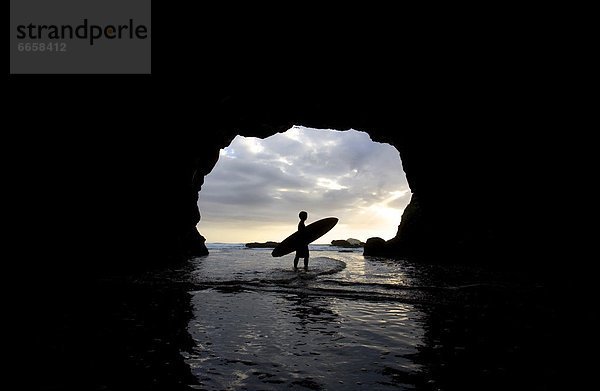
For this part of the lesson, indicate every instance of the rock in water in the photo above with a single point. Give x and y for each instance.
(262, 245)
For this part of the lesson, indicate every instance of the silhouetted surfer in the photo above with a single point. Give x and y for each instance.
(302, 250)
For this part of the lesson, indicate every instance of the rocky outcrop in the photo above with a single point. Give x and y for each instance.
(262, 245)
(375, 247)
(354, 243)
(411, 239)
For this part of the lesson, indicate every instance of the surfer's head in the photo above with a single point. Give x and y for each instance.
(303, 215)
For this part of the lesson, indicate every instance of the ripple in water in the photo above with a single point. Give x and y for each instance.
(268, 340)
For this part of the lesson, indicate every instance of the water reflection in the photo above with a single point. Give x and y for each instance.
(375, 324)
(374, 270)
(469, 329)
(262, 339)
(311, 312)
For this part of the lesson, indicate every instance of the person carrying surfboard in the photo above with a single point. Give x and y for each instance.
(302, 249)
(299, 240)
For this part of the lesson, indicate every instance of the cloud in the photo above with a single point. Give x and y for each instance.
(328, 173)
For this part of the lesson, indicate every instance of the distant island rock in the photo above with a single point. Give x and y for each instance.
(350, 242)
(262, 245)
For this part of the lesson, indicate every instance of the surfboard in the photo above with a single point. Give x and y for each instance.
(313, 232)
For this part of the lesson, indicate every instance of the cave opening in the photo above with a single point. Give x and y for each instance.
(258, 186)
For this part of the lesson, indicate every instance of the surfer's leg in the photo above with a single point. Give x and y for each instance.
(296, 259)
(306, 263)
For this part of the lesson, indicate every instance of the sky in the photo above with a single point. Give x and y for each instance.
(259, 186)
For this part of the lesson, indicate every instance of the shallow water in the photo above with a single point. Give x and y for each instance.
(266, 340)
(239, 319)
(349, 322)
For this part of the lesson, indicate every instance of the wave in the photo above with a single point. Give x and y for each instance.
(414, 287)
(306, 290)
(308, 284)
(271, 274)
(236, 269)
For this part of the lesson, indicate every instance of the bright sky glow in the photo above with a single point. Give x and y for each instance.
(257, 188)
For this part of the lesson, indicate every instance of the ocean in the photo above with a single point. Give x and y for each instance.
(353, 322)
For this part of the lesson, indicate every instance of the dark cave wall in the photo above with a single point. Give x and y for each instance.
(123, 191)
(129, 199)
(116, 176)
(103, 170)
